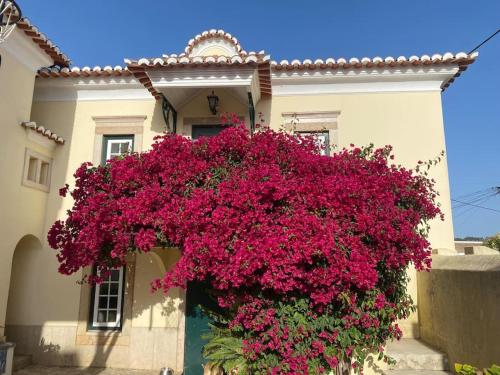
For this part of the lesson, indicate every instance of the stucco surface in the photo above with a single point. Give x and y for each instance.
(41, 370)
(411, 122)
(459, 308)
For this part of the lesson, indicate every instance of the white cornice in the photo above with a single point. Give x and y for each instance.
(311, 82)
(89, 89)
(205, 77)
(119, 119)
(24, 50)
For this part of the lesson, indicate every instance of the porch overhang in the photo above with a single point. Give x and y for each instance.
(179, 81)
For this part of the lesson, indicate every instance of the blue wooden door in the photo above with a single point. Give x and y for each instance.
(197, 325)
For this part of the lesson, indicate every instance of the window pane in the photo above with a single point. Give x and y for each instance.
(115, 275)
(103, 289)
(124, 147)
(112, 316)
(113, 289)
(113, 302)
(115, 148)
(103, 303)
(101, 316)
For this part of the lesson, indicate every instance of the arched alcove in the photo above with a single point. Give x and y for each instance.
(23, 281)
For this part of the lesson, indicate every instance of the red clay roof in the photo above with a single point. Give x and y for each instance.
(43, 42)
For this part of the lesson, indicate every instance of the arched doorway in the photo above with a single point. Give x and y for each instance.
(22, 299)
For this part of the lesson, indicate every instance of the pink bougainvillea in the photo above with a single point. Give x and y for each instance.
(261, 218)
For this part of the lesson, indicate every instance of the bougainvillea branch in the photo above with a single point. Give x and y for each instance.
(271, 225)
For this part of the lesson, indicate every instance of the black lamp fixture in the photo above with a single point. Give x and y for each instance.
(213, 102)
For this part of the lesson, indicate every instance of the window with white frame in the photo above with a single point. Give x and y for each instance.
(321, 138)
(320, 124)
(37, 170)
(115, 146)
(107, 302)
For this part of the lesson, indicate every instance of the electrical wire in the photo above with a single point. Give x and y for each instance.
(485, 41)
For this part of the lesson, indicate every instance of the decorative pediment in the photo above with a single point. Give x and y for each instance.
(214, 43)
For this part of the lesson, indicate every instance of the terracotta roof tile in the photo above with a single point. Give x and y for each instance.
(209, 34)
(86, 71)
(43, 131)
(43, 42)
(461, 59)
(183, 59)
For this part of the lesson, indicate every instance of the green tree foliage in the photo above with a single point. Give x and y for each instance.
(493, 242)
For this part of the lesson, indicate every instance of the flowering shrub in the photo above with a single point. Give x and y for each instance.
(307, 253)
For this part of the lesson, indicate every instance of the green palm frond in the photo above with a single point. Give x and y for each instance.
(224, 351)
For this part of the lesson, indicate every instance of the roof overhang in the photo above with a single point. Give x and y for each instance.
(181, 80)
(179, 85)
(46, 45)
(446, 67)
(362, 80)
(215, 59)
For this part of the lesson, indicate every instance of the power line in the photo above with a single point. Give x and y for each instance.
(484, 41)
(475, 205)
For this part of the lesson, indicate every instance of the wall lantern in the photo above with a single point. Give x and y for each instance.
(213, 102)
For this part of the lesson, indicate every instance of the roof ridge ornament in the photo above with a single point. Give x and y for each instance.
(215, 43)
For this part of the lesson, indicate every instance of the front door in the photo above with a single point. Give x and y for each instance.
(205, 130)
(197, 325)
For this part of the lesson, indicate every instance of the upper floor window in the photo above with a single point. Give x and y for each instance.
(37, 170)
(116, 145)
(321, 124)
(107, 302)
(322, 139)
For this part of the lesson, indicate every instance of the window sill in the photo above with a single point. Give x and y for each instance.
(34, 185)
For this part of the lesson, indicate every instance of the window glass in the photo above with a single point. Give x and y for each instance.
(115, 146)
(322, 140)
(108, 301)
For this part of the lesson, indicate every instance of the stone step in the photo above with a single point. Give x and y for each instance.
(411, 354)
(20, 362)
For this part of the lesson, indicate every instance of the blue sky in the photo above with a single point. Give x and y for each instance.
(97, 32)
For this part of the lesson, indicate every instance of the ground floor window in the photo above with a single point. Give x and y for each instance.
(107, 302)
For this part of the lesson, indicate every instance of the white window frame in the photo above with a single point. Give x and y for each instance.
(314, 122)
(39, 160)
(118, 322)
(326, 133)
(110, 142)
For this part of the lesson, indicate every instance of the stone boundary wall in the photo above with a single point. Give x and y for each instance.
(459, 308)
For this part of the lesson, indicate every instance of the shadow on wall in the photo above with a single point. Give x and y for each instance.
(459, 308)
(42, 307)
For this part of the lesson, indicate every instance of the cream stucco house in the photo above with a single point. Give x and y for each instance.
(54, 116)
